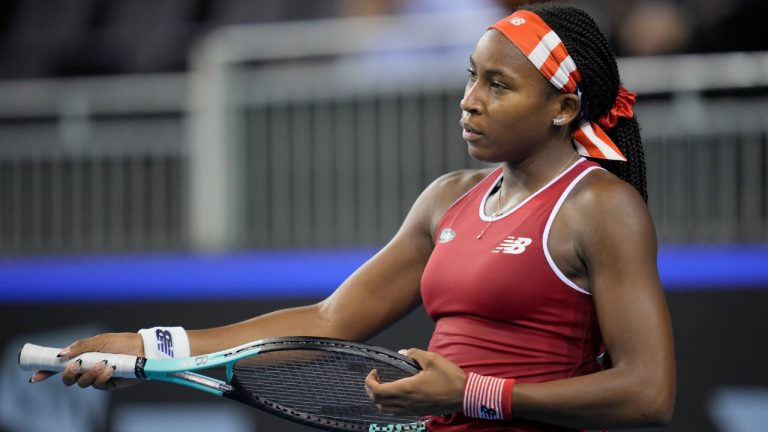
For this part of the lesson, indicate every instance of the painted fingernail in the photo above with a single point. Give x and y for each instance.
(63, 352)
(114, 367)
(32, 379)
(78, 363)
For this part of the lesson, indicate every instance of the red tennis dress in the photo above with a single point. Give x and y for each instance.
(501, 306)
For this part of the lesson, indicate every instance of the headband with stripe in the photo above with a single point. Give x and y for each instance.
(534, 38)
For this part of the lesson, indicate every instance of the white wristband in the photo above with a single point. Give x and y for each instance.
(165, 342)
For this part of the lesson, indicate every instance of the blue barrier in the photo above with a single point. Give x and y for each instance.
(703, 267)
(298, 274)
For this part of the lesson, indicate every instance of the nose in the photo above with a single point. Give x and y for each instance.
(470, 103)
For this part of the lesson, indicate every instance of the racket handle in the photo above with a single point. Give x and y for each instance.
(34, 357)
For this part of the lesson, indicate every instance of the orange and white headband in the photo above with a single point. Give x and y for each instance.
(546, 51)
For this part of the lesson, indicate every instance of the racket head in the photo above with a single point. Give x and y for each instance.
(320, 382)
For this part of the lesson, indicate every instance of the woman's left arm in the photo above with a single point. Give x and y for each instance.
(616, 242)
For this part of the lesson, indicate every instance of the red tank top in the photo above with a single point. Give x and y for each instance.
(501, 306)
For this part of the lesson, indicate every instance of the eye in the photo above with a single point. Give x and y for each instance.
(472, 74)
(496, 85)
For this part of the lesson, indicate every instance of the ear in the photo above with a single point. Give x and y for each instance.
(570, 106)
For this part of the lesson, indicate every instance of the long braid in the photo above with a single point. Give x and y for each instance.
(600, 85)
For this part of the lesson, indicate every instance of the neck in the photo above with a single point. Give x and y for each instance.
(506, 200)
(536, 171)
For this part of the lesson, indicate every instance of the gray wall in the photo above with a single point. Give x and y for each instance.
(715, 330)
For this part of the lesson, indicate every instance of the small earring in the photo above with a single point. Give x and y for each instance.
(558, 121)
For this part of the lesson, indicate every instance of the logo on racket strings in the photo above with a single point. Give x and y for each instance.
(348, 410)
(398, 427)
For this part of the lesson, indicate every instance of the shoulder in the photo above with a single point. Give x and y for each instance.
(443, 192)
(601, 193)
(446, 189)
(604, 210)
(461, 181)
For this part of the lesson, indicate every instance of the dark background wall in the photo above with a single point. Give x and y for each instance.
(719, 339)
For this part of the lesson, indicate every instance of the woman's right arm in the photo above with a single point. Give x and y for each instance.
(376, 295)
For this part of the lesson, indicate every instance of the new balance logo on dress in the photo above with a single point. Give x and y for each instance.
(513, 245)
(164, 342)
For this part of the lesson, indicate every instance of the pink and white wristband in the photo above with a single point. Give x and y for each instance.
(488, 397)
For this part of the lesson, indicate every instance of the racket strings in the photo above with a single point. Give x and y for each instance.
(328, 385)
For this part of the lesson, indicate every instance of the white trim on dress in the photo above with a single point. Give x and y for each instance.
(486, 218)
(548, 226)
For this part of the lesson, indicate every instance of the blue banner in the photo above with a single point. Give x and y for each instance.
(298, 274)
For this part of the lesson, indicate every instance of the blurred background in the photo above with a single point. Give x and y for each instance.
(198, 162)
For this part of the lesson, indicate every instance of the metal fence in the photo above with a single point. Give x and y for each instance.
(92, 165)
(274, 141)
(333, 173)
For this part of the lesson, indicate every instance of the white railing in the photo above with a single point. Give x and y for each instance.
(92, 164)
(322, 134)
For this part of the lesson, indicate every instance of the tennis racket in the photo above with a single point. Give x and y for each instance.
(314, 381)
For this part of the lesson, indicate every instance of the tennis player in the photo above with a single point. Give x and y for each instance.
(540, 273)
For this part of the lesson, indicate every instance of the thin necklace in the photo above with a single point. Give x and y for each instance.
(499, 211)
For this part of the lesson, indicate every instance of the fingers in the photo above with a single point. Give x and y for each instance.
(378, 393)
(391, 392)
(371, 383)
(386, 393)
(104, 380)
(89, 377)
(423, 358)
(98, 375)
(80, 346)
(71, 374)
(372, 386)
(41, 376)
(66, 352)
(116, 343)
(375, 389)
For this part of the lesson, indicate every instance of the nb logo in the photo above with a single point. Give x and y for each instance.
(513, 245)
(164, 342)
(517, 21)
(487, 413)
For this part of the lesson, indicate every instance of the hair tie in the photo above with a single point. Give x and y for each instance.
(622, 107)
(537, 41)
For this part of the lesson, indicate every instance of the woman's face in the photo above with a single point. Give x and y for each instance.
(508, 105)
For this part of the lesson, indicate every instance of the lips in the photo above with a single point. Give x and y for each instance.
(470, 133)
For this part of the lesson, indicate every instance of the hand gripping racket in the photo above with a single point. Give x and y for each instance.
(315, 381)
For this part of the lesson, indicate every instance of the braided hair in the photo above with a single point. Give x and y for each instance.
(600, 85)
